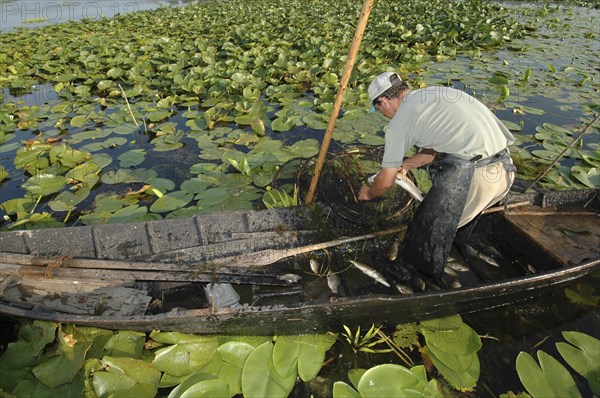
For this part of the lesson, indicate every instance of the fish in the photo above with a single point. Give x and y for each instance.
(455, 284)
(314, 265)
(403, 289)
(409, 187)
(405, 184)
(392, 254)
(484, 257)
(365, 269)
(456, 266)
(418, 282)
(334, 281)
(290, 278)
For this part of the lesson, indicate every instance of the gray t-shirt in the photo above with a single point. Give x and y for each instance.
(446, 120)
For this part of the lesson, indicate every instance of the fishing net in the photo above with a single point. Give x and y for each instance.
(340, 181)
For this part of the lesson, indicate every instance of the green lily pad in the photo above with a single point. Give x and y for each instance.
(3, 173)
(64, 367)
(233, 354)
(171, 201)
(388, 380)
(588, 177)
(343, 390)
(259, 377)
(125, 344)
(582, 355)
(44, 184)
(212, 196)
(68, 201)
(132, 158)
(125, 377)
(548, 379)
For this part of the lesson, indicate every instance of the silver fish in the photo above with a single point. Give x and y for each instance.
(418, 282)
(365, 269)
(456, 266)
(290, 278)
(403, 289)
(409, 187)
(314, 265)
(334, 281)
(405, 184)
(474, 253)
(455, 284)
(450, 272)
(392, 254)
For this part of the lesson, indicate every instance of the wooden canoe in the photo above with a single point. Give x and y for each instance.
(248, 271)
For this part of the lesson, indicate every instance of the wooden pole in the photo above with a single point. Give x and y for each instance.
(358, 35)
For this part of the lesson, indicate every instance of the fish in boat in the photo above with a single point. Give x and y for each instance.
(403, 289)
(392, 254)
(315, 266)
(482, 256)
(456, 266)
(371, 272)
(333, 282)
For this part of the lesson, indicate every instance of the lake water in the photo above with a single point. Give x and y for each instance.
(28, 13)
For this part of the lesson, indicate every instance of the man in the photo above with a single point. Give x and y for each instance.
(472, 168)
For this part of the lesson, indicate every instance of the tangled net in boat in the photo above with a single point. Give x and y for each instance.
(343, 174)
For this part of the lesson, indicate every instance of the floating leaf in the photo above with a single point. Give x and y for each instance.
(171, 201)
(388, 380)
(548, 379)
(186, 356)
(233, 354)
(44, 184)
(132, 158)
(259, 377)
(582, 355)
(125, 377)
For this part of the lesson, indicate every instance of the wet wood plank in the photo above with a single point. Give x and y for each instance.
(570, 237)
(80, 297)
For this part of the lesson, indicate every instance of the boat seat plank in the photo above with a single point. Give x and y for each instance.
(569, 237)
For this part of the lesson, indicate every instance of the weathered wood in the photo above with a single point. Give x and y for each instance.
(82, 297)
(32, 271)
(7, 282)
(570, 237)
(266, 257)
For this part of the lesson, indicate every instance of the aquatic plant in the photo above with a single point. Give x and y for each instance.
(224, 80)
(550, 378)
(49, 359)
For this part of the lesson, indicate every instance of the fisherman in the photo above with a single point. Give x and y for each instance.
(465, 146)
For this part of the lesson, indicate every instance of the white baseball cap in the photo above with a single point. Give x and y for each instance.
(379, 85)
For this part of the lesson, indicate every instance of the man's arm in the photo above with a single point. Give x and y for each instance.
(383, 182)
(425, 156)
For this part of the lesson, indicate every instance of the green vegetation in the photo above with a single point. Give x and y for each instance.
(221, 82)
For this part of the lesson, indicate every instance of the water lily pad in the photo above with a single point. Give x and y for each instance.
(68, 201)
(582, 354)
(44, 184)
(259, 377)
(388, 380)
(212, 196)
(548, 379)
(132, 158)
(171, 201)
(121, 376)
(186, 356)
(3, 173)
(233, 355)
(588, 177)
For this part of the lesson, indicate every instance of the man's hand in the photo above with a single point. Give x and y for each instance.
(363, 194)
(383, 182)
